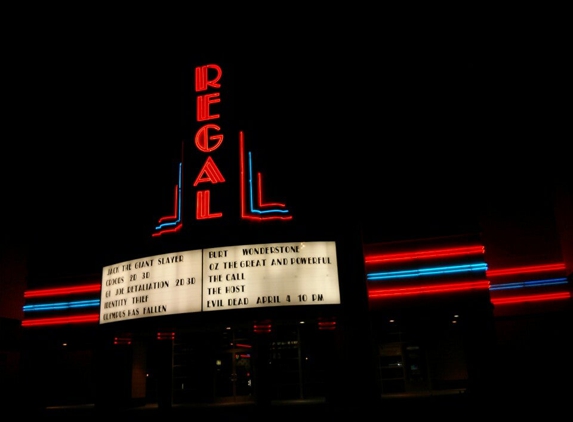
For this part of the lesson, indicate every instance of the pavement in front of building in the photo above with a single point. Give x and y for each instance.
(444, 407)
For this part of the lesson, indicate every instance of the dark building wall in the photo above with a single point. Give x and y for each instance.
(454, 357)
(13, 277)
(522, 228)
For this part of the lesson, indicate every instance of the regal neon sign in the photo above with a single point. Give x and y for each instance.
(208, 139)
(204, 140)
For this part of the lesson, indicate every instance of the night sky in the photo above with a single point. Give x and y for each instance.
(410, 132)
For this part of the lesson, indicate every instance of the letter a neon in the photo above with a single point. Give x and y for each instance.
(209, 173)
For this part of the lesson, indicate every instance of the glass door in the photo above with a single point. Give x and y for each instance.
(233, 371)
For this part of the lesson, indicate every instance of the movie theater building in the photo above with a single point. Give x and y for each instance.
(433, 326)
(258, 308)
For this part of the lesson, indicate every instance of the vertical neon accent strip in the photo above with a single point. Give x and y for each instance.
(250, 183)
(260, 194)
(177, 210)
(244, 193)
(175, 205)
(242, 173)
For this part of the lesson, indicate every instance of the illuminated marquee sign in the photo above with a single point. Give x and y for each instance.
(216, 279)
(208, 140)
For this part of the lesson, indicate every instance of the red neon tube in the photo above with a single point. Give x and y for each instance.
(243, 189)
(526, 269)
(431, 253)
(431, 289)
(59, 291)
(530, 298)
(175, 207)
(61, 320)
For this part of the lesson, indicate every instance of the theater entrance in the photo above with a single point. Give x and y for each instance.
(233, 371)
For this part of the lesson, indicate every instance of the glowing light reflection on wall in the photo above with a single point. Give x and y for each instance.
(499, 290)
